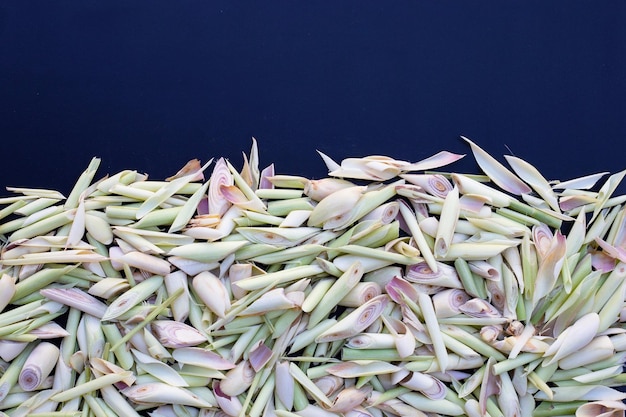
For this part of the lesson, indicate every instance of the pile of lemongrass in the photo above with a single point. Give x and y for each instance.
(385, 289)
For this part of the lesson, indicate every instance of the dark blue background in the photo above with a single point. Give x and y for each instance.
(149, 85)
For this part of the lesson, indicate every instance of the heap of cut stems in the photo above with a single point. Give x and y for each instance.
(386, 288)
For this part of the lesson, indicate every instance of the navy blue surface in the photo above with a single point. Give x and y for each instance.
(149, 85)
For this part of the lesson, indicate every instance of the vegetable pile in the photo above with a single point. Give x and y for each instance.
(384, 289)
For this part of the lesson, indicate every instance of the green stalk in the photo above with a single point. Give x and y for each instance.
(149, 318)
(281, 208)
(36, 206)
(43, 226)
(39, 280)
(510, 364)
(471, 284)
(82, 184)
(551, 409)
(542, 216)
(12, 208)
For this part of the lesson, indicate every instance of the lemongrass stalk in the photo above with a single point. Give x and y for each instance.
(458, 347)
(510, 364)
(67, 256)
(610, 312)
(571, 302)
(307, 337)
(154, 186)
(132, 297)
(340, 288)
(284, 321)
(12, 208)
(155, 347)
(243, 185)
(101, 203)
(35, 206)
(254, 250)
(279, 277)
(13, 400)
(38, 366)
(278, 193)
(425, 404)
(16, 198)
(289, 254)
(37, 404)
(341, 240)
(447, 224)
(137, 241)
(184, 215)
(76, 298)
(158, 392)
(380, 354)
(369, 201)
(378, 254)
(579, 272)
(35, 327)
(432, 326)
(239, 324)
(473, 342)
(156, 237)
(567, 374)
(343, 262)
(13, 335)
(113, 336)
(39, 280)
(166, 191)
(300, 400)
(12, 225)
(261, 218)
(83, 182)
(328, 267)
(416, 232)
(551, 409)
(153, 314)
(600, 375)
(500, 224)
(588, 208)
(308, 385)
(263, 397)
(127, 211)
(597, 228)
(10, 376)
(379, 236)
(95, 406)
(517, 217)
(43, 215)
(125, 177)
(239, 306)
(207, 251)
(320, 288)
(615, 233)
(27, 311)
(43, 226)
(610, 285)
(355, 321)
(132, 192)
(471, 251)
(282, 207)
(615, 359)
(471, 285)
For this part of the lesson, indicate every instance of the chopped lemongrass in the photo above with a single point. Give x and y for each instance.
(386, 288)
